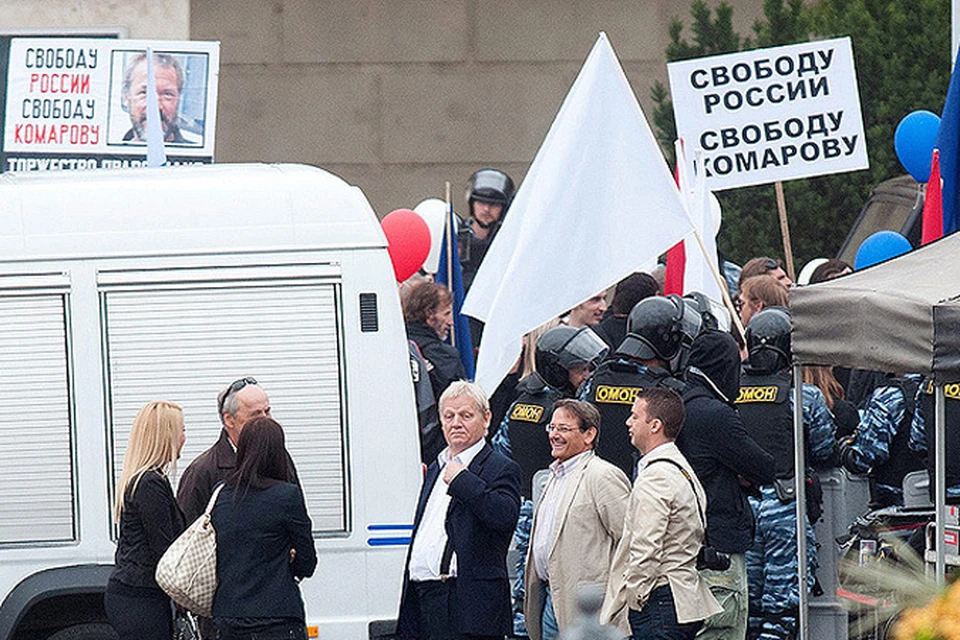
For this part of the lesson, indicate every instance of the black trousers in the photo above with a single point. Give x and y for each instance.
(437, 612)
(139, 614)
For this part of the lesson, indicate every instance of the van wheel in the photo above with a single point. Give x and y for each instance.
(93, 631)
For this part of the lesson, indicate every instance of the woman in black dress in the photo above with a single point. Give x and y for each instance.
(150, 521)
(264, 542)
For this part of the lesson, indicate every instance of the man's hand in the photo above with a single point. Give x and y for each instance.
(451, 470)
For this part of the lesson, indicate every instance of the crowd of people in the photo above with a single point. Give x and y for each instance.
(643, 447)
(703, 545)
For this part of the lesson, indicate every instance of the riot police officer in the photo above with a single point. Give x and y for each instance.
(564, 357)
(489, 194)
(657, 329)
(922, 436)
(766, 407)
(879, 446)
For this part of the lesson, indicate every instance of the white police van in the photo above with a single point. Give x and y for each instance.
(121, 287)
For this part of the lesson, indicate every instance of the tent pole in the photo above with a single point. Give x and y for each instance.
(799, 479)
(940, 486)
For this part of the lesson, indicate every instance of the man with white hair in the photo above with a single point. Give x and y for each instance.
(455, 585)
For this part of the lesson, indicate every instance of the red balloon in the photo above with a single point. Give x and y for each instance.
(408, 238)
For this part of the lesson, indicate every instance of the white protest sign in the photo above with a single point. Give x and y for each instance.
(80, 103)
(771, 114)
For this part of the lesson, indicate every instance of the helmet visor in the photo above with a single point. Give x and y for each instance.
(585, 347)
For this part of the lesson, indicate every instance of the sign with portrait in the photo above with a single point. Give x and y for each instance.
(760, 116)
(80, 103)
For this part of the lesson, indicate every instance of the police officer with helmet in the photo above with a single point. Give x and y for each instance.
(489, 194)
(564, 358)
(657, 329)
(766, 407)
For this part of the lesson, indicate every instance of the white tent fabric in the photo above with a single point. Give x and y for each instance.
(597, 203)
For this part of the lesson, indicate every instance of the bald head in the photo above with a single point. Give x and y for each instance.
(246, 404)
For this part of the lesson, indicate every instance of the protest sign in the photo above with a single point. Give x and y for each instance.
(771, 114)
(80, 103)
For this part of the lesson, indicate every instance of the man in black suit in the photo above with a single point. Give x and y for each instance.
(455, 584)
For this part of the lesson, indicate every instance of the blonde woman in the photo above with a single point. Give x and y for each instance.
(149, 520)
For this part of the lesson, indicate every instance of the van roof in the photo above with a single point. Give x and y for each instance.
(184, 209)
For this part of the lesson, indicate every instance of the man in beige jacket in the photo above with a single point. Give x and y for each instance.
(577, 523)
(654, 578)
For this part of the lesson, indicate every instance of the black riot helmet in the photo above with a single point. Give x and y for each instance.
(564, 347)
(768, 340)
(491, 186)
(655, 329)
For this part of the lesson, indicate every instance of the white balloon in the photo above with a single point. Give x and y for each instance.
(434, 212)
(807, 272)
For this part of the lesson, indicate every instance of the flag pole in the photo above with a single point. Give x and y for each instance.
(784, 229)
(448, 240)
(724, 290)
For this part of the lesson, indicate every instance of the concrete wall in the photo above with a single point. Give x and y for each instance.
(396, 96)
(143, 19)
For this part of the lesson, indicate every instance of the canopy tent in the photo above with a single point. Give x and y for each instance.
(902, 315)
(899, 316)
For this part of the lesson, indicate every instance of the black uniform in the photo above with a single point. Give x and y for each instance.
(923, 434)
(612, 388)
(716, 443)
(443, 361)
(522, 434)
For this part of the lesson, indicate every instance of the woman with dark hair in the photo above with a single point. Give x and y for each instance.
(264, 542)
(428, 312)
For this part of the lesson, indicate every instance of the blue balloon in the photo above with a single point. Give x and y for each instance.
(880, 246)
(914, 140)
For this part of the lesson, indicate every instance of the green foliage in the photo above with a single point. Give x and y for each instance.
(902, 56)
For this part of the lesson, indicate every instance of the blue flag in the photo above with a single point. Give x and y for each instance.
(461, 326)
(948, 141)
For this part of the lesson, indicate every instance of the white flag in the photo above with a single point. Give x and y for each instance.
(699, 269)
(156, 153)
(597, 204)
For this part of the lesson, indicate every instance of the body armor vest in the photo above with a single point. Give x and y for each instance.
(614, 387)
(952, 393)
(527, 418)
(764, 405)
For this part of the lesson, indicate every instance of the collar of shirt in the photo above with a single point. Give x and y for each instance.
(645, 460)
(560, 469)
(465, 457)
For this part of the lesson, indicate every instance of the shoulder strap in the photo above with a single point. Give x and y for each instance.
(703, 519)
(213, 500)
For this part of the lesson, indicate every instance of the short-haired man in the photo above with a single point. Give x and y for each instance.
(654, 578)
(635, 287)
(169, 79)
(764, 265)
(759, 292)
(240, 402)
(455, 583)
(589, 312)
(578, 522)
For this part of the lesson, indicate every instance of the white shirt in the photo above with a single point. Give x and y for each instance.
(431, 537)
(560, 475)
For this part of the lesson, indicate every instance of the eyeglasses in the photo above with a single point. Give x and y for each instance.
(559, 428)
(234, 387)
(770, 264)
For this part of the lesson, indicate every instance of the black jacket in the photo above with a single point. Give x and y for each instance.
(255, 532)
(149, 523)
(483, 512)
(716, 443)
(612, 330)
(207, 470)
(443, 361)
